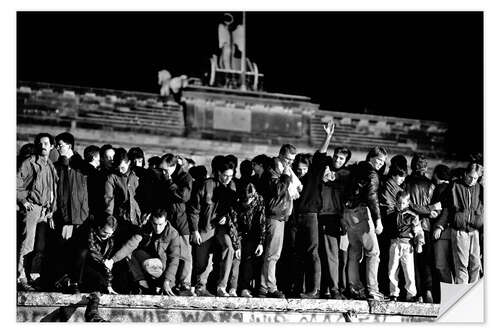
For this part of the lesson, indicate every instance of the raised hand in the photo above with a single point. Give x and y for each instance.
(329, 128)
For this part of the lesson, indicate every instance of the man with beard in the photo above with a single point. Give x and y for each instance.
(36, 197)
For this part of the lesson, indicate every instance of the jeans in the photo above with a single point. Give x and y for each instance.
(362, 239)
(227, 255)
(272, 252)
(186, 262)
(307, 260)
(443, 259)
(466, 255)
(28, 228)
(333, 260)
(401, 255)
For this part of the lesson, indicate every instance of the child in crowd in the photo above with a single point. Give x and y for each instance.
(405, 232)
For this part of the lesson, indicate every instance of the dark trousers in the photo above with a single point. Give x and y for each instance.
(202, 263)
(89, 275)
(249, 263)
(384, 243)
(333, 260)
(308, 264)
(424, 263)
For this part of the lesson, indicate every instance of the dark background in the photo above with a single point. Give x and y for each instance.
(425, 65)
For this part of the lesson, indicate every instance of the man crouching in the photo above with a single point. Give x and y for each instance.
(154, 255)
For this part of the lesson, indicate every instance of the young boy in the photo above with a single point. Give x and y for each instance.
(405, 232)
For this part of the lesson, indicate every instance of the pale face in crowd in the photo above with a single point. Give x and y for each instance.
(109, 154)
(287, 159)
(339, 160)
(257, 168)
(302, 169)
(471, 178)
(44, 147)
(226, 176)
(403, 203)
(170, 169)
(63, 148)
(123, 167)
(399, 179)
(378, 161)
(158, 224)
(105, 232)
(139, 162)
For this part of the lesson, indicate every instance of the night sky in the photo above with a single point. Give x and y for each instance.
(414, 64)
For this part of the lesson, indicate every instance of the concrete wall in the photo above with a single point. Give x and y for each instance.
(35, 307)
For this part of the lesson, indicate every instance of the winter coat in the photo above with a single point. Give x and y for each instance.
(119, 197)
(364, 188)
(166, 246)
(464, 209)
(421, 189)
(72, 193)
(208, 204)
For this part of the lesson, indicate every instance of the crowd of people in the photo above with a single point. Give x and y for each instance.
(294, 225)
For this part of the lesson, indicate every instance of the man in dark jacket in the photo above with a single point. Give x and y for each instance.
(421, 189)
(119, 192)
(280, 189)
(36, 197)
(154, 255)
(464, 211)
(333, 258)
(442, 233)
(362, 220)
(95, 183)
(72, 195)
(91, 247)
(171, 191)
(389, 188)
(209, 211)
(307, 208)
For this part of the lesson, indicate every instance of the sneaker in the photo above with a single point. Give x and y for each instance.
(185, 291)
(334, 294)
(203, 292)
(428, 297)
(232, 292)
(393, 298)
(222, 293)
(275, 294)
(310, 295)
(410, 298)
(326, 295)
(376, 296)
(25, 286)
(358, 295)
(73, 289)
(246, 293)
(262, 293)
